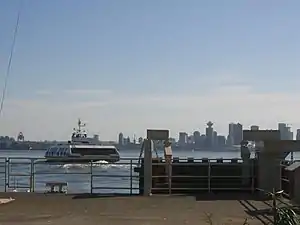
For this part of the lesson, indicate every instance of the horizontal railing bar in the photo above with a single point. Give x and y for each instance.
(116, 188)
(17, 186)
(21, 187)
(19, 163)
(133, 158)
(231, 188)
(19, 175)
(206, 189)
(115, 164)
(198, 163)
(107, 175)
(285, 180)
(172, 188)
(188, 176)
(60, 173)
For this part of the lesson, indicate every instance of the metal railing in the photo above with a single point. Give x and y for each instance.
(130, 163)
(287, 178)
(31, 174)
(285, 182)
(209, 177)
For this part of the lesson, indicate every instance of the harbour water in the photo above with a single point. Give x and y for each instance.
(109, 177)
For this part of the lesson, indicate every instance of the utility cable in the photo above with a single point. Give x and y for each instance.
(10, 58)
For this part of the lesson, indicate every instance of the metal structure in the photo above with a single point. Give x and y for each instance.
(36, 175)
(272, 152)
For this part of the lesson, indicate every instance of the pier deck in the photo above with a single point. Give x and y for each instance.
(40, 209)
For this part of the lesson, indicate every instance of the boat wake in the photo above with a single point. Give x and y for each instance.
(101, 163)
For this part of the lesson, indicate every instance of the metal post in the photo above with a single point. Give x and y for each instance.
(5, 170)
(292, 156)
(8, 172)
(168, 161)
(209, 174)
(31, 188)
(147, 167)
(130, 176)
(169, 173)
(252, 175)
(91, 172)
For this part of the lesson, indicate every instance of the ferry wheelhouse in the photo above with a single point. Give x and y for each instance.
(82, 149)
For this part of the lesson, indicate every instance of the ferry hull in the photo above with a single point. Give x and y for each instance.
(80, 160)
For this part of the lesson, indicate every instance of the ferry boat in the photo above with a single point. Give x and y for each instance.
(82, 149)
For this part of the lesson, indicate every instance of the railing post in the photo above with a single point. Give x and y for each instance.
(8, 172)
(169, 174)
(252, 176)
(130, 176)
(31, 176)
(5, 178)
(147, 167)
(209, 174)
(168, 161)
(91, 172)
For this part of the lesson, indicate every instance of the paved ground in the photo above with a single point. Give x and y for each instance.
(40, 209)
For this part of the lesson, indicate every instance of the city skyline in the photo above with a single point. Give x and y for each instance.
(132, 65)
(286, 129)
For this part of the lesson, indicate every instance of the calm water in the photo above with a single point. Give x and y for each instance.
(77, 176)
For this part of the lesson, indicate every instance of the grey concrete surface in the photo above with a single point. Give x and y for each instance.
(40, 209)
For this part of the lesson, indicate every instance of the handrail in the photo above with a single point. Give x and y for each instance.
(35, 172)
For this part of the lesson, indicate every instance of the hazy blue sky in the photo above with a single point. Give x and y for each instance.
(127, 65)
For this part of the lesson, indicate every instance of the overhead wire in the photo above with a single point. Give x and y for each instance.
(8, 69)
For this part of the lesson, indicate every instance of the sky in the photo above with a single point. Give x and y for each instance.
(137, 64)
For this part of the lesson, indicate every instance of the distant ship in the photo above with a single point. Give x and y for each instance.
(82, 149)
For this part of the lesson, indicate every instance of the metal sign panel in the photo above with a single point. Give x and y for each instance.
(160, 135)
(261, 135)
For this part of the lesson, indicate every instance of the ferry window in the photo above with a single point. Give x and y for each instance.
(93, 151)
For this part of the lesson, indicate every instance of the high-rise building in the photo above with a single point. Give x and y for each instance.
(254, 127)
(209, 134)
(235, 135)
(190, 139)
(231, 129)
(121, 139)
(238, 135)
(221, 140)
(215, 139)
(229, 140)
(182, 138)
(298, 134)
(197, 138)
(285, 132)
